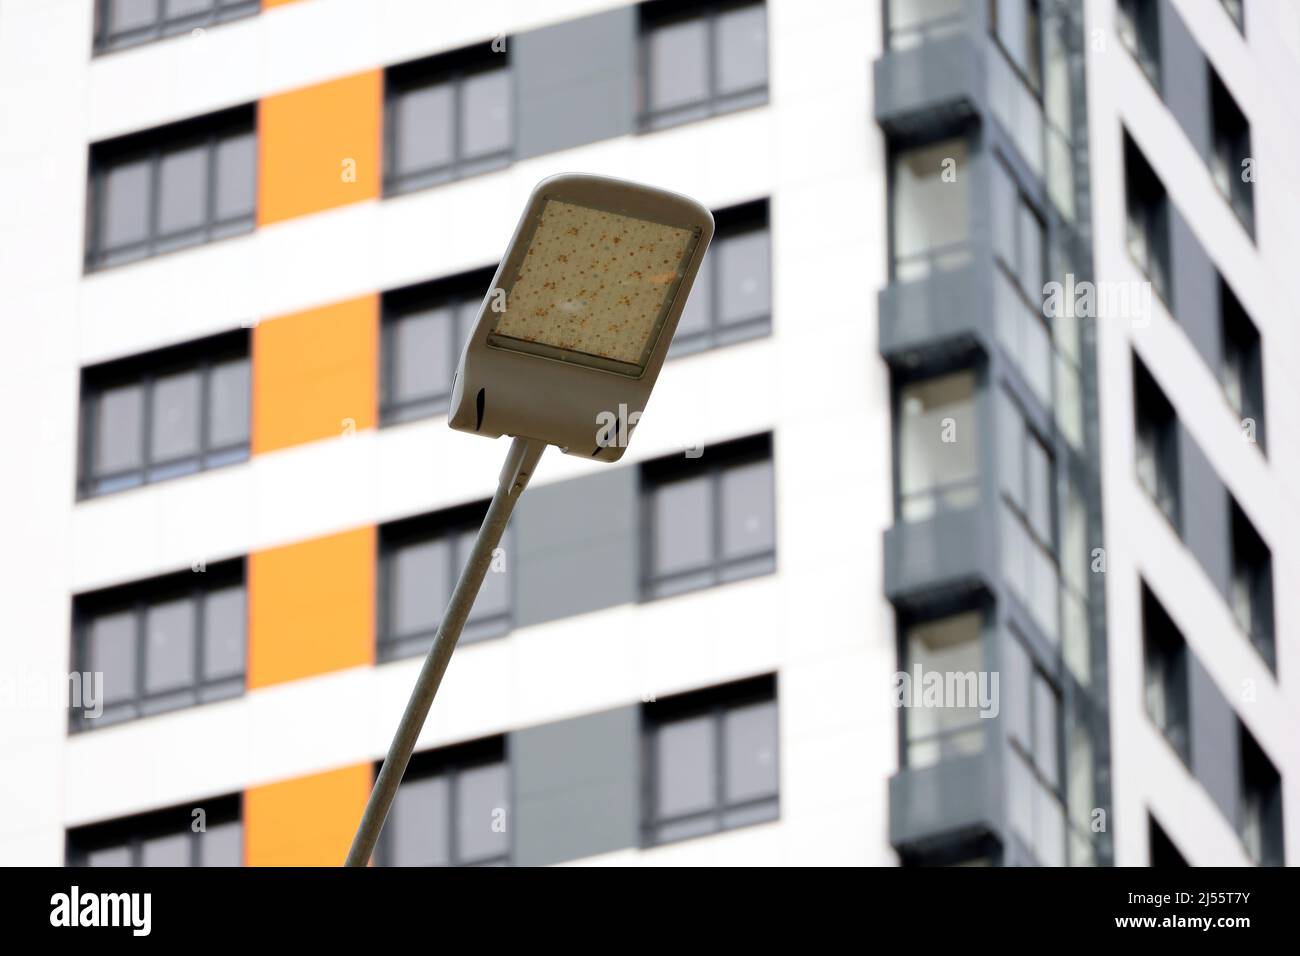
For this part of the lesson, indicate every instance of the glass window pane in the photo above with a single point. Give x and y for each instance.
(110, 856)
(679, 65)
(1014, 688)
(485, 122)
(747, 510)
(494, 596)
(686, 766)
(1030, 266)
(228, 399)
(481, 813)
(125, 204)
(418, 826)
(222, 845)
(418, 587)
(1045, 728)
(175, 416)
(744, 288)
(424, 132)
(183, 8)
(949, 645)
(1038, 480)
(170, 850)
(119, 420)
(422, 359)
(696, 314)
(124, 15)
(930, 198)
(169, 646)
(224, 626)
(938, 439)
(742, 49)
(236, 173)
(683, 525)
(182, 189)
(750, 745)
(112, 652)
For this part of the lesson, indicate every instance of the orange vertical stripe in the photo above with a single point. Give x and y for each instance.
(311, 607)
(268, 4)
(318, 146)
(315, 374)
(308, 821)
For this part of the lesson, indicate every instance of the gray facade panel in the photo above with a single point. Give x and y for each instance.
(576, 787)
(1196, 289)
(1205, 513)
(576, 81)
(1185, 78)
(576, 546)
(1214, 739)
(956, 795)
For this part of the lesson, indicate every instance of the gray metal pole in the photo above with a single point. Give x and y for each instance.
(520, 462)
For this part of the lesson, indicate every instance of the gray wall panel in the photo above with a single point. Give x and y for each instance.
(1184, 78)
(576, 81)
(1196, 289)
(1215, 760)
(576, 546)
(1205, 515)
(577, 787)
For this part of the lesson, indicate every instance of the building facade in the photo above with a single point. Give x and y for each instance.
(243, 243)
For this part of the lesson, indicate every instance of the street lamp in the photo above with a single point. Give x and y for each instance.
(565, 350)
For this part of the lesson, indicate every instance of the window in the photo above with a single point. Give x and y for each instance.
(937, 449)
(1252, 585)
(711, 519)
(424, 329)
(951, 645)
(697, 63)
(1259, 818)
(1236, 10)
(1020, 243)
(1162, 850)
(1156, 444)
(1032, 710)
(911, 23)
(930, 209)
(160, 644)
(1138, 23)
(1243, 363)
(731, 300)
(1147, 222)
(173, 187)
(451, 809)
(1028, 481)
(1164, 654)
(1015, 26)
(124, 23)
(1231, 149)
(420, 561)
(164, 414)
(447, 117)
(711, 761)
(178, 836)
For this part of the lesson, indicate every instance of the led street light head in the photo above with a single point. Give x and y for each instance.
(572, 334)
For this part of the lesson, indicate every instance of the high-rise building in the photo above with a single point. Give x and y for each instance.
(957, 531)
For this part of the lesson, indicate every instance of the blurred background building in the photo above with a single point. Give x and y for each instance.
(240, 243)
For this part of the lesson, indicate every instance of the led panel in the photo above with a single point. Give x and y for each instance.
(594, 287)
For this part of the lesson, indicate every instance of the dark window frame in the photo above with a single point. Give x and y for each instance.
(1143, 18)
(208, 131)
(1241, 358)
(136, 598)
(1147, 207)
(450, 762)
(442, 526)
(1259, 792)
(663, 13)
(1230, 144)
(132, 832)
(162, 26)
(1161, 849)
(1252, 560)
(145, 369)
(714, 703)
(734, 222)
(452, 68)
(717, 459)
(399, 304)
(1156, 433)
(1166, 659)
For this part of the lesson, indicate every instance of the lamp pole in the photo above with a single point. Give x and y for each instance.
(520, 463)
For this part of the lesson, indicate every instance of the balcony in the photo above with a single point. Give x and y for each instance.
(952, 798)
(946, 311)
(950, 553)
